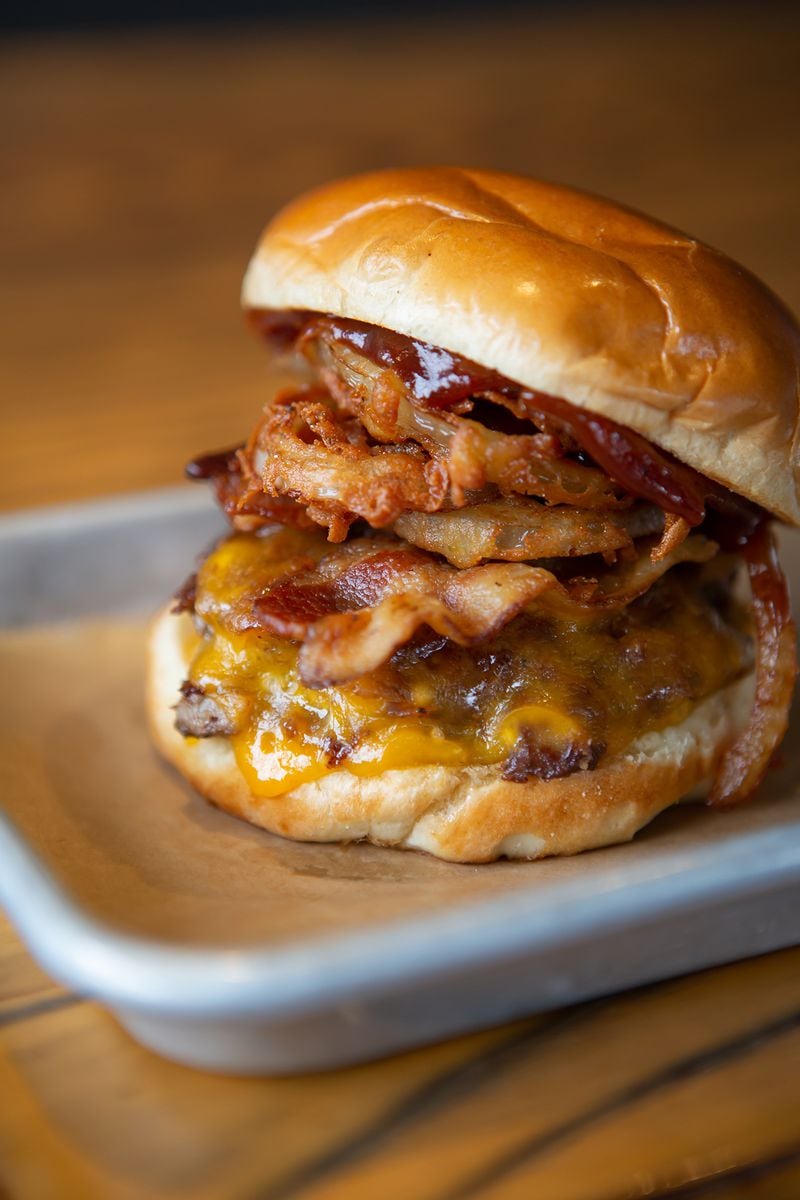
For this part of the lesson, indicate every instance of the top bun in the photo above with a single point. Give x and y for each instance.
(565, 293)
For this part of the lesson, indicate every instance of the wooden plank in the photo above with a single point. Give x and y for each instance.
(23, 984)
(578, 1109)
(138, 1125)
(664, 1084)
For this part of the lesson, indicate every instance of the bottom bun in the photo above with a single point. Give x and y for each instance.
(463, 814)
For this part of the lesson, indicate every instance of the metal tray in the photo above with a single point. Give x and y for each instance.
(221, 946)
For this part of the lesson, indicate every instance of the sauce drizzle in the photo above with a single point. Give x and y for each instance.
(436, 378)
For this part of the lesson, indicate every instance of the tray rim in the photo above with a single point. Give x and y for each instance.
(108, 509)
(138, 972)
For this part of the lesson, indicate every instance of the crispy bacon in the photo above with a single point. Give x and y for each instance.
(747, 760)
(364, 600)
(359, 578)
(466, 606)
(637, 574)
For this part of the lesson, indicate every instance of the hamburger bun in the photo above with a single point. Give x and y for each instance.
(467, 814)
(564, 293)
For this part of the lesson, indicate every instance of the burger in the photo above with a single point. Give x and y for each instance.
(501, 577)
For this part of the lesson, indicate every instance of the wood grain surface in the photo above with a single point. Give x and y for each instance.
(688, 1089)
(138, 169)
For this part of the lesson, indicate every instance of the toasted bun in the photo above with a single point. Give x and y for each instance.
(465, 814)
(565, 293)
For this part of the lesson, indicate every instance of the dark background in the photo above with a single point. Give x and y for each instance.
(85, 15)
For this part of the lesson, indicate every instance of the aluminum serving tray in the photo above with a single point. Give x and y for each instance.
(221, 946)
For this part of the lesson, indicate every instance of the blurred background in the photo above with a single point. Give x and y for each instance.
(141, 159)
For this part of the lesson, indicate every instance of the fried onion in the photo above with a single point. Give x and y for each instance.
(240, 495)
(303, 451)
(531, 464)
(435, 378)
(517, 529)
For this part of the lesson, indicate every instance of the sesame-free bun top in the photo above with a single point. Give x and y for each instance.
(565, 293)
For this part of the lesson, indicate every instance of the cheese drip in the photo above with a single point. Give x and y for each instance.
(547, 693)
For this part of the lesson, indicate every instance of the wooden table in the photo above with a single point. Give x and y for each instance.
(138, 170)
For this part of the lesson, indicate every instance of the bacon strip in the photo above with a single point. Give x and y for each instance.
(363, 601)
(465, 606)
(748, 759)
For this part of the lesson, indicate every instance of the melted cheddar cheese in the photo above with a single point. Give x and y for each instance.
(550, 684)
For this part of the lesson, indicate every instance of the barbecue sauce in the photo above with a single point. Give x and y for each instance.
(436, 378)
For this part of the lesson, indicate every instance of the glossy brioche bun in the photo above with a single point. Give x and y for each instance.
(565, 293)
(464, 814)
